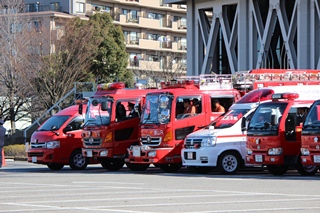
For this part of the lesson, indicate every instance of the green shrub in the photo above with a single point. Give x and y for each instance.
(18, 150)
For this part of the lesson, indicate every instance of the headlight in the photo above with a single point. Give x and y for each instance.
(53, 144)
(275, 151)
(305, 151)
(210, 141)
(152, 154)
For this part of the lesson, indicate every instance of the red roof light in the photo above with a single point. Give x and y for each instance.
(110, 86)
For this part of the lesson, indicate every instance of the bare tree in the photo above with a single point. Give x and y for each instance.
(165, 66)
(64, 60)
(14, 42)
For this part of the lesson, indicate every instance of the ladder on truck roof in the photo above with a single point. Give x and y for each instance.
(209, 81)
(245, 79)
(80, 90)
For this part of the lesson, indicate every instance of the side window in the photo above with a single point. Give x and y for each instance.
(76, 123)
(187, 106)
(125, 110)
(290, 125)
(219, 104)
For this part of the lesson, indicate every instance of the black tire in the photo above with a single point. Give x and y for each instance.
(137, 167)
(170, 168)
(278, 170)
(55, 166)
(77, 161)
(307, 170)
(111, 164)
(202, 169)
(229, 163)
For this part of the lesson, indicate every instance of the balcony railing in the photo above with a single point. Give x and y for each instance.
(42, 8)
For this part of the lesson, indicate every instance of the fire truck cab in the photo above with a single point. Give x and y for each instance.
(273, 138)
(310, 144)
(111, 124)
(166, 121)
(57, 142)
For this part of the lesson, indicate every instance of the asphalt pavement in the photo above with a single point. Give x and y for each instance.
(27, 187)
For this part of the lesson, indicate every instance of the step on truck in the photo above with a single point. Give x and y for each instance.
(273, 138)
(111, 125)
(58, 142)
(165, 124)
(310, 143)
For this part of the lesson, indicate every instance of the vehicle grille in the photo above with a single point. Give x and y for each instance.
(95, 142)
(35, 154)
(151, 141)
(38, 145)
(190, 142)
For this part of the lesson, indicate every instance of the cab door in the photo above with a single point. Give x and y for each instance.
(186, 123)
(126, 131)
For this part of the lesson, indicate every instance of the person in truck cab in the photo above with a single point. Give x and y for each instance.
(188, 108)
(133, 113)
(217, 106)
(121, 112)
(301, 114)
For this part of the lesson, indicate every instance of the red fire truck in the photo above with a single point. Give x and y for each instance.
(165, 124)
(57, 142)
(310, 144)
(111, 125)
(272, 137)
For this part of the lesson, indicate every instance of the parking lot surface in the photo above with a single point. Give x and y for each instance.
(26, 187)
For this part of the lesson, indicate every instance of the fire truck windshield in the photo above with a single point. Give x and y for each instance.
(54, 123)
(266, 119)
(157, 109)
(98, 112)
(229, 119)
(312, 120)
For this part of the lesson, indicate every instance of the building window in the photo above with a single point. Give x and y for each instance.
(55, 6)
(183, 22)
(79, 7)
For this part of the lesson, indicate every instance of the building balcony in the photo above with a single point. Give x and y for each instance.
(144, 65)
(41, 8)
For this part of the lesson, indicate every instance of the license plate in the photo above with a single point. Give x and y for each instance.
(190, 155)
(136, 151)
(89, 153)
(258, 158)
(316, 158)
(34, 159)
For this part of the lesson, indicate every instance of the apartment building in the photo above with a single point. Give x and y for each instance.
(155, 33)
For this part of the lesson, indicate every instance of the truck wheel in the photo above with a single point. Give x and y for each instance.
(55, 166)
(77, 161)
(307, 170)
(170, 168)
(202, 169)
(112, 165)
(229, 163)
(137, 167)
(278, 170)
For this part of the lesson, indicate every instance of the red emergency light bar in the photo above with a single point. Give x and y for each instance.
(288, 96)
(257, 96)
(177, 84)
(110, 86)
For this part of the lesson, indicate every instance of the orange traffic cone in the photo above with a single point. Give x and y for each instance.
(3, 159)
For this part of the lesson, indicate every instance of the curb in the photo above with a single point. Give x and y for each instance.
(12, 158)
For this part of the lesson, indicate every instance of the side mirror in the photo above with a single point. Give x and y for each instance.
(80, 109)
(243, 124)
(67, 129)
(104, 106)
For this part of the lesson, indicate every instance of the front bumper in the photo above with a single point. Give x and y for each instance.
(153, 155)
